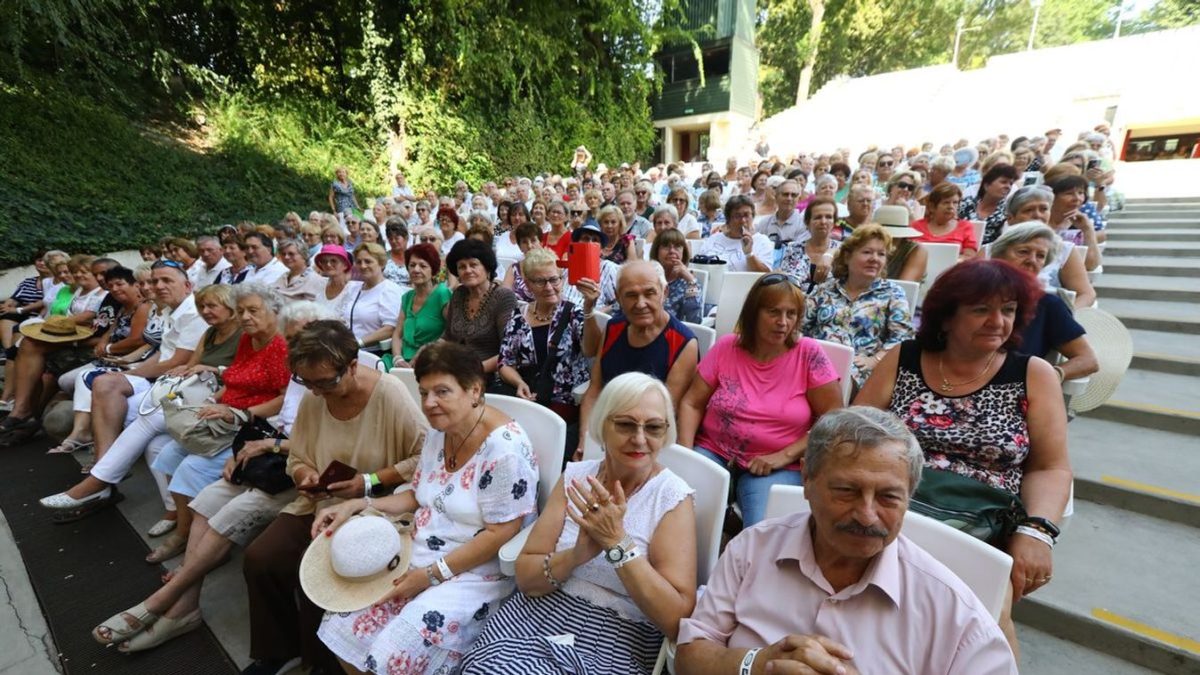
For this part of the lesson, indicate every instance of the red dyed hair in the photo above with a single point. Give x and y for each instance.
(970, 283)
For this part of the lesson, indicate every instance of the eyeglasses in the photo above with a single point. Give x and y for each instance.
(779, 278)
(320, 385)
(629, 428)
(428, 239)
(578, 214)
(544, 281)
(164, 262)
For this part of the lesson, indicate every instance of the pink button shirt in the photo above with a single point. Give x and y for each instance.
(908, 614)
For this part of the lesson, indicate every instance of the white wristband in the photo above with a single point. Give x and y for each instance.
(748, 661)
(1036, 534)
(444, 569)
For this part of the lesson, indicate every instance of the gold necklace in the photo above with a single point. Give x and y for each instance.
(539, 317)
(946, 386)
(452, 460)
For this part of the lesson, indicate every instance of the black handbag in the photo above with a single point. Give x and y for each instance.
(539, 378)
(982, 511)
(266, 472)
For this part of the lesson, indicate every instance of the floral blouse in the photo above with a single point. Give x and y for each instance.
(874, 322)
(617, 255)
(517, 349)
(396, 273)
(683, 300)
(707, 225)
(795, 261)
(993, 224)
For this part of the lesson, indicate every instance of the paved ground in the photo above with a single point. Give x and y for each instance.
(25, 644)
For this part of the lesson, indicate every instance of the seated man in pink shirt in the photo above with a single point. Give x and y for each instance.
(838, 589)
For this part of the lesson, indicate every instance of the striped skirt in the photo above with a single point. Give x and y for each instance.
(557, 634)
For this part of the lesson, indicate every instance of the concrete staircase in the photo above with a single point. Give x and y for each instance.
(1125, 582)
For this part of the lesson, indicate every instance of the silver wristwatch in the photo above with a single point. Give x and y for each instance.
(622, 553)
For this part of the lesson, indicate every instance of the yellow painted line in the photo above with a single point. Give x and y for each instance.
(1152, 489)
(1166, 357)
(1150, 407)
(1144, 630)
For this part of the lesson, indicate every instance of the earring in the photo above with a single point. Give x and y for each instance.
(477, 403)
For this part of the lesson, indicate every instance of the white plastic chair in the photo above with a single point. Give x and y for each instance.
(983, 568)
(693, 246)
(978, 226)
(705, 336)
(711, 483)
(734, 290)
(716, 281)
(841, 357)
(408, 377)
(702, 279)
(941, 258)
(548, 434)
(911, 290)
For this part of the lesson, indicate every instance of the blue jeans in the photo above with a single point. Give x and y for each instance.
(751, 490)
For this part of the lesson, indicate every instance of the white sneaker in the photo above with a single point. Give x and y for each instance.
(63, 500)
(6, 406)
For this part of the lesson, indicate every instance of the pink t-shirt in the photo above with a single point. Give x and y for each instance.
(963, 234)
(759, 408)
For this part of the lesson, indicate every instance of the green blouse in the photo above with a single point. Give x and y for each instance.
(426, 325)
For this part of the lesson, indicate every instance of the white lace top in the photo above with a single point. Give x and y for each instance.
(596, 581)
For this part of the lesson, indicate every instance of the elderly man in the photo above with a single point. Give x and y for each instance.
(209, 264)
(861, 204)
(260, 251)
(785, 225)
(636, 224)
(837, 589)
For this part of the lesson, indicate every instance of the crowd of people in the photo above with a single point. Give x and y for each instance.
(294, 326)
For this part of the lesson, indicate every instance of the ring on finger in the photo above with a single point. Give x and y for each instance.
(595, 506)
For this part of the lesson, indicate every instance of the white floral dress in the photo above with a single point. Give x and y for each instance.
(430, 633)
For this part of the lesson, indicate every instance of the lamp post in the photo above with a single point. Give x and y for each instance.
(959, 29)
(1037, 10)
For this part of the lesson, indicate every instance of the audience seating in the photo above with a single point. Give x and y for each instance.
(983, 568)
(705, 336)
(409, 378)
(911, 290)
(702, 279)
(941, 258)
(734, 289)
(842, 357)
(979, 226)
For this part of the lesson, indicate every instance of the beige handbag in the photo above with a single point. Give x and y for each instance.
(204, 437)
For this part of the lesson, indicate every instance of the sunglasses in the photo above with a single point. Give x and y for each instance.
(428, 240)
(779, 278)
(163, 262)
(906, 186)
(629, 428)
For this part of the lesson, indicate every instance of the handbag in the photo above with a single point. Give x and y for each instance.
(266, 472)
(982, 511)
(204, 437)
(192, 390)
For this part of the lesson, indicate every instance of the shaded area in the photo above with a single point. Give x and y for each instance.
(86, 571)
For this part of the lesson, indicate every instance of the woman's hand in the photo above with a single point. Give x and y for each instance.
(765, 464)
(598, 513)
(307, 479)
(98, 350)
(253, 449)
(821, 268)
(408, 585)
(230, 465)
(329, 519)
(217, 411)
(524, 392)
(177, 371)
(1032, 564)
(590, 290)
(348, 489)
(747, 243)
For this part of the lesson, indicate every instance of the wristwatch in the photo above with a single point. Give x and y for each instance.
(623, 552)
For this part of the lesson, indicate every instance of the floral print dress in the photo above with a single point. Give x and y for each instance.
(875, 321)
(429, 634)
(796, 263)
(517, 349)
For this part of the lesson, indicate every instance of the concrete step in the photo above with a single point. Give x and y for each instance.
(1137, 287)
(1165, 221)
(1171, 317)
(1167, 390)
(1163, 202)
(1115, 233)
(1124, 584)
(1045, 654)
(1152, 344)
(1144, 470)
(1157, 266)
(1170, 249)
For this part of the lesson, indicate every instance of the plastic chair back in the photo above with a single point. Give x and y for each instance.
(978, 226)
(547, 432)
(409, 378)
(705, 336)
(734, 289)
(911, 290)
(711, 483)
(841, 357)
(702, 279)
(941, 258)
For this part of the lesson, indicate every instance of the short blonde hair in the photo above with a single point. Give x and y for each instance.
(862, 234)
(376, 251)
(536, 259)
(625, 392)
(222, 293)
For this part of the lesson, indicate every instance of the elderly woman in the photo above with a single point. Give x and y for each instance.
(1065, 269)
(528, 238)
(827, 186)
(858, 307)
(980, 409)
(626, 506)
(711, 218)
(234, 250)
(421, 319)
(333, 263)
(351, 414)
(683, 301)
(901, 189)
(447, 223)
(941, 224)
(741, 414)
(341, 193)
(369, 233)
(225, 514)
(809, 261)
(372, 313)
(742, 249)
(396, 269)
(331, 235)
(687, 223)
(644, 337)
(507, 244)
(619, 246)
(988, 204)
(474, 488)
(1029, 246)
(1070, 222)
(300, 282)
(480, 307)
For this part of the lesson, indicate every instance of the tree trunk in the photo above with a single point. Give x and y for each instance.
(814, 41)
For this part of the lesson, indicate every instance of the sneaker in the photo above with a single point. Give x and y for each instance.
(271, 666)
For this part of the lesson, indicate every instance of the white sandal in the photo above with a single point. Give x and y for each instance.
(164, 629)
(124, 625)
(161, 527)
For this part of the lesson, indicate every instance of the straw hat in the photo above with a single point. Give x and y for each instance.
(894, 219)
(1113, 345)
(355, 567)
(55, 329)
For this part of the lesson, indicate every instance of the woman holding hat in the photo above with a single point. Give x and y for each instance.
(475, 486)
(422, 310)
(906, 259)
(333, 263)
(480, 307)
(611, 560)
(858, 307)
(941, 224)
(809, 261)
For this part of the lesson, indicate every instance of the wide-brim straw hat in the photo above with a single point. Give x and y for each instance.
(1113, 345)
(894, 219)
(55, 329)
(336, 593)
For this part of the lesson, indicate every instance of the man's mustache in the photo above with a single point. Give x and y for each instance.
(853, 527)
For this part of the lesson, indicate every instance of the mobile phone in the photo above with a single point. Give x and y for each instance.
(334, 473)
(1093, 164)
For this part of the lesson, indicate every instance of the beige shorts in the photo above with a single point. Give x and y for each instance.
(237, 512)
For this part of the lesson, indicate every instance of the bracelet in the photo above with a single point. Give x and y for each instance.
(444, 569)
(108, 349)
(1043, 524)
(1036, 534)
(748, 661)
(1061, 375)
(374, 478)
(433, 580)
(548, 574)
(366, 485)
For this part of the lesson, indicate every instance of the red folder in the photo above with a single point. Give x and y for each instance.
(584, 262)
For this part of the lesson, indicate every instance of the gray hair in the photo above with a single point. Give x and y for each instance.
(300, 246)
(269, 296)
(944, 163)
(1023, 233)
(865, 428)
(826, 179)
(625, 392)
(668, 209)
(638, 264)
(1029, 193)
(306, 311)
(205, 238)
